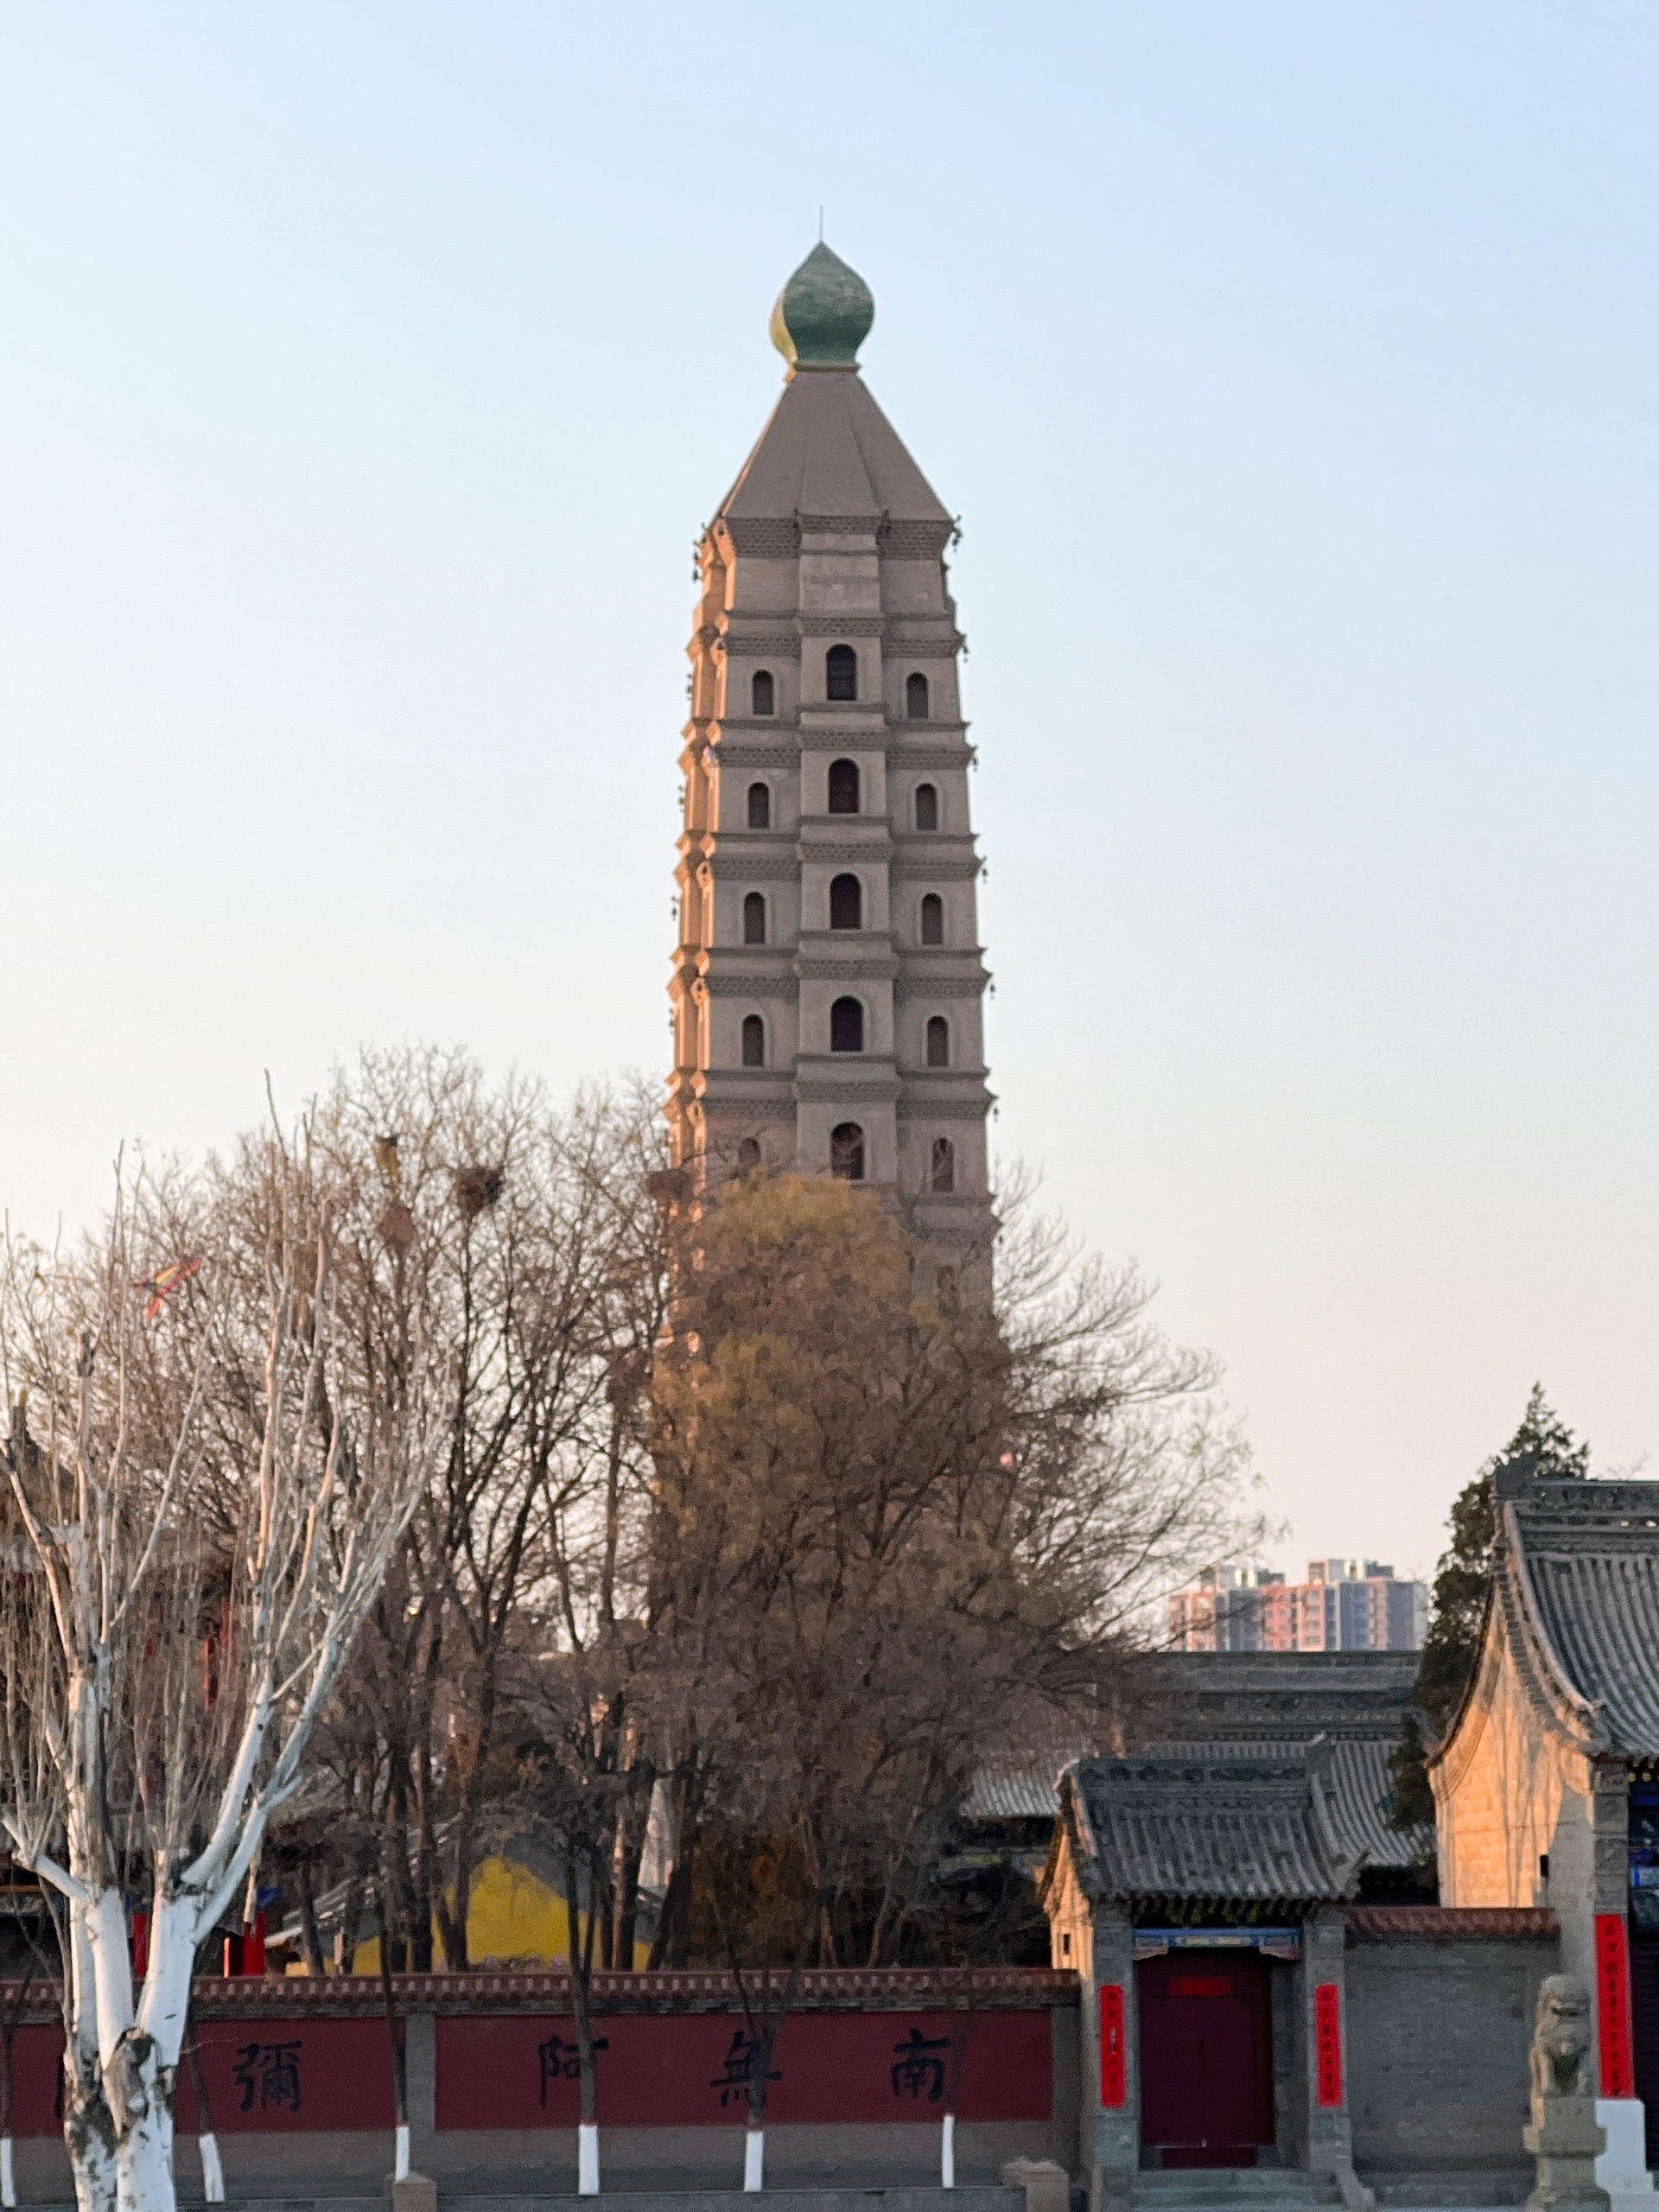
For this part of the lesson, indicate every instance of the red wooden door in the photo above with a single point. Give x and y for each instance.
(1206, 2056)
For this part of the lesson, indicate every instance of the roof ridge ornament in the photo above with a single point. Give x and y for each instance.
(824, 314)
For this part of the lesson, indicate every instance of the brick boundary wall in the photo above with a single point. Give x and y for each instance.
(1487, 1923)
(855, 2106)
(509, 1989)
(1440, 2004)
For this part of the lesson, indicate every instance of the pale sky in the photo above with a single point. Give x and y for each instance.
(366, 373)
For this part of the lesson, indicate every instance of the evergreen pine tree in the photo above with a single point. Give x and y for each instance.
(1543, 1445)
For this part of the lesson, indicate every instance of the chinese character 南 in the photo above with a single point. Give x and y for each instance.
(733, 2083)
(920, 2067)
(562, 2061)
(271, 2070)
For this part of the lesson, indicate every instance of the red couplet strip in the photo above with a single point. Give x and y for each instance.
(1327, 2042)
(1113, 2074)
(1613, 2005)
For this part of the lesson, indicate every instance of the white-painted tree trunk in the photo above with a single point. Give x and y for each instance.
(947, 2151)
(213, 2171)
(138, 2046)
(88, 2131)
(121, 2075)
(8, 2177)
(126, 2165)
(91, 2156)
(142, 2106)
(754, 2159)
(588, 2159)
(400, 2155)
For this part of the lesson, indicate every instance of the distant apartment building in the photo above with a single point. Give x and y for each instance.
(1345, 1605)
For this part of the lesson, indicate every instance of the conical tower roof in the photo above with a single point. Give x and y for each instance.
(828, 449)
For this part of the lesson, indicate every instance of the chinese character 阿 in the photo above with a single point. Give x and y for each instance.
(733, 2083)
(562, 2061)
(920, 2067)
(272, 2070)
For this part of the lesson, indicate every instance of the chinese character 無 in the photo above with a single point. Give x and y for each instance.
(739, 2070)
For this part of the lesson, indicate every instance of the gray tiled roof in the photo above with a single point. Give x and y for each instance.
(1360, 1787)
(1011, 1794)
(1279, 1697)
(1250, 1825)
(1578, 1580)
(1216, 1705)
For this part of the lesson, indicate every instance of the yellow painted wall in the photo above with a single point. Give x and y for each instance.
(1508, 1792)
(512, 1916)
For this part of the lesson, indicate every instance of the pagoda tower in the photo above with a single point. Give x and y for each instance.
(828, 986)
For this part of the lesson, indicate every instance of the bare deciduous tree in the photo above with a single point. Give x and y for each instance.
(887, 1531)
(203, 1491)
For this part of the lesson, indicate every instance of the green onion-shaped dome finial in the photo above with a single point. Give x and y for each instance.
(824, 314)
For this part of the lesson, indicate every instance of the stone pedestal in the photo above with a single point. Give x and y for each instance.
(1047, 2187)
(1566, 2141)
(1622, 2168)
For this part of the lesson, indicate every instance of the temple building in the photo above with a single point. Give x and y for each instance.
(1547, 1782)
(1263, 1984)
(828, 982)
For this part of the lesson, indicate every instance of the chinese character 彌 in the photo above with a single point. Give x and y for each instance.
(271, 2069)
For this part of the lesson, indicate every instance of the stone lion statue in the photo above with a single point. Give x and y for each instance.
(1560, 2038)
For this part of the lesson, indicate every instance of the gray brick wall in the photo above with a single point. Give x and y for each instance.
(1438, 2036)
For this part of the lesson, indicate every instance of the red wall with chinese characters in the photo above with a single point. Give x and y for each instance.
(264, 2077)
(289, 2077)
(519, 2070)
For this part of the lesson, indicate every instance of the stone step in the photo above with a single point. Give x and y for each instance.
(1452, 2192)
(974, 2197)
(1182, 2189)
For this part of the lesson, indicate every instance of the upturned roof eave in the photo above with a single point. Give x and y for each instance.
(1074, 1832)
(1512, 1611)
(1582, 1720)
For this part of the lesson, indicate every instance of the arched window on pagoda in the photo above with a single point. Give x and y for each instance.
(843, 787)
(847, 1026)
(847, 1152)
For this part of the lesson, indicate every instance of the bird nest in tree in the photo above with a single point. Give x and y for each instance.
(478, 1189)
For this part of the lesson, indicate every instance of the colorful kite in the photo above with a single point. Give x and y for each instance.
(165, 1280)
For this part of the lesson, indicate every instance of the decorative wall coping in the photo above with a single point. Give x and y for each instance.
(1482, 1923)
(506, 1989)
